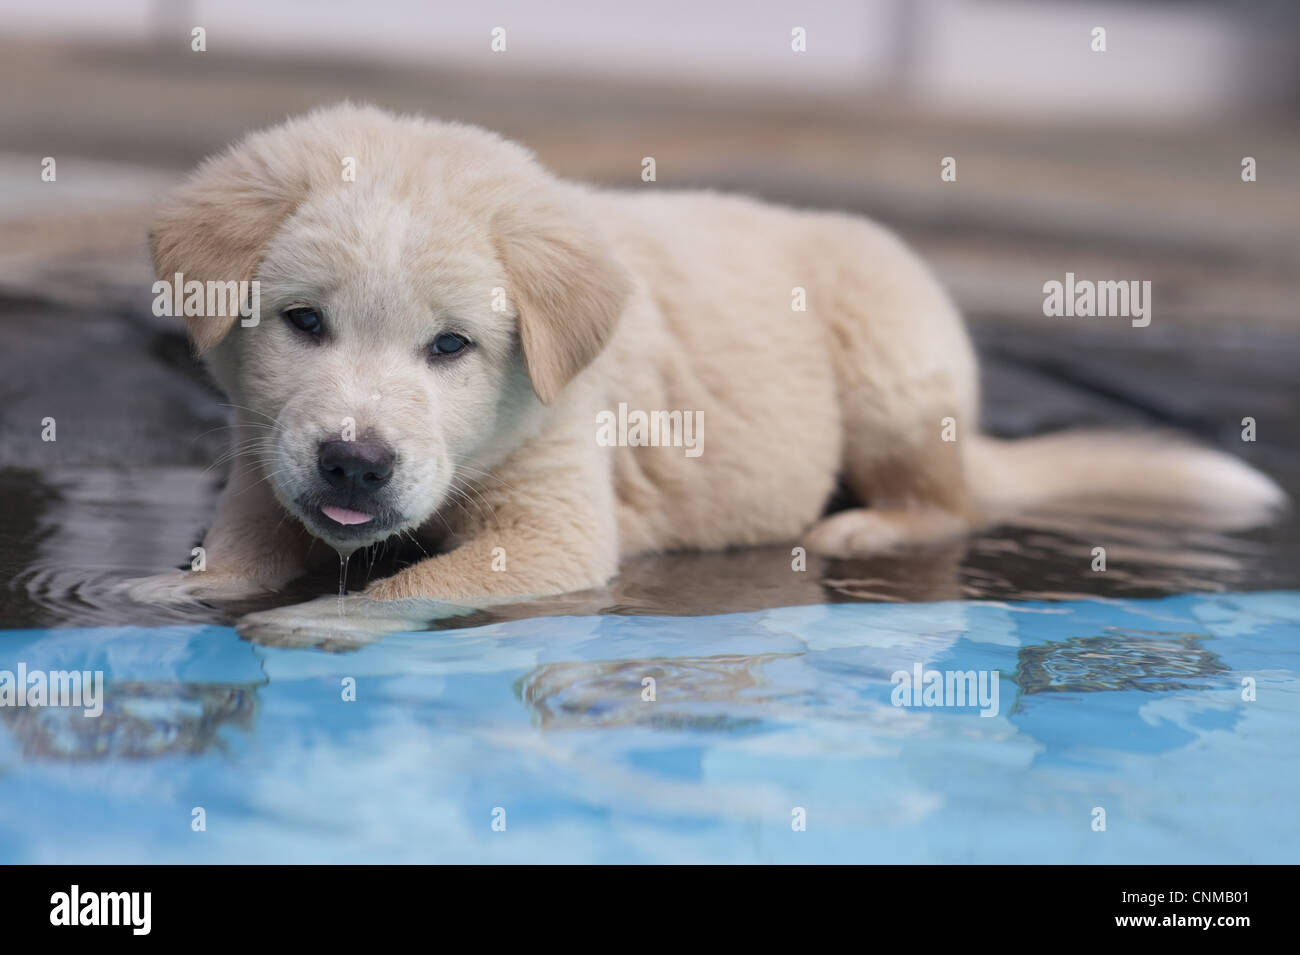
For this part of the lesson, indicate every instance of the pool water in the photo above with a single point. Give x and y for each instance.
(1125, 731)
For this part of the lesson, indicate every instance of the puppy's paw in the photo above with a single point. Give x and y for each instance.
(867, 532)
(415, 584)
(180, 587)
(397, 587)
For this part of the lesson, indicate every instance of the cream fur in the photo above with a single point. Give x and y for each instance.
(660, 300)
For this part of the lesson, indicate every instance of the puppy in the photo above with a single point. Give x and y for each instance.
(542, 377)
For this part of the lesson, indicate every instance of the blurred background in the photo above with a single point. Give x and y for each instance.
(1122, 164)
(1117, 164)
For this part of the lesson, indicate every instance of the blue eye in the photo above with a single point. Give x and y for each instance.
(448, 344)
(304, 319)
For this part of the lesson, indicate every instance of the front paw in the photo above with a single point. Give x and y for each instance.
(396, 587)
(180, 587)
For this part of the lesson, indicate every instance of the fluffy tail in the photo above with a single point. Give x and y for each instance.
(1118, 473)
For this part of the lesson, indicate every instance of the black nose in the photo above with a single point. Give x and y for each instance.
(363, 465)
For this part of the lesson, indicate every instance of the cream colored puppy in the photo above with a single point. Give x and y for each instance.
(542, 377)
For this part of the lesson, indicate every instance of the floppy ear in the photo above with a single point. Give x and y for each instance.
(568, 289)
(215, 228)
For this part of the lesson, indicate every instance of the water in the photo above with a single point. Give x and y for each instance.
(1134, 706)
(1120, 692)
(68, 535)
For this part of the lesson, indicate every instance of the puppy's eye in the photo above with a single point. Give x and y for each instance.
(447, 345)
(304, 319)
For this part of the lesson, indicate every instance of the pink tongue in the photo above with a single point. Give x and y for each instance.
(341, 515)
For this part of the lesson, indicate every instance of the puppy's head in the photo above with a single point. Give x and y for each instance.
(423, 289)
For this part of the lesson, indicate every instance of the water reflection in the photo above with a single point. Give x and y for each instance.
(616, 693)
(140, 721)
(754, 713)
(1125, 660)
